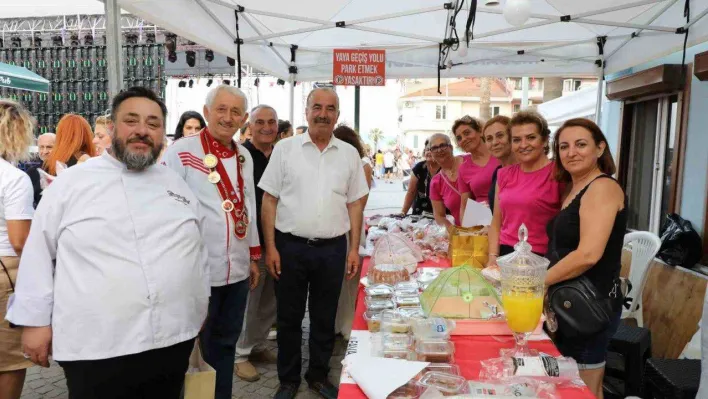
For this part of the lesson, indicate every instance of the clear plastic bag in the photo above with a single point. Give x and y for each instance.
(561, 371)
(517, 387)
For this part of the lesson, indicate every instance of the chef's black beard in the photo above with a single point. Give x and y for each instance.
(136, 161)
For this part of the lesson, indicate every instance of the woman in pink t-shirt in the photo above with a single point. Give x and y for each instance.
(478, 165)
(443, 187)
(526, 192)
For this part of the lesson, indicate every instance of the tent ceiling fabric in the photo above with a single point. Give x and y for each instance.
(412, 30)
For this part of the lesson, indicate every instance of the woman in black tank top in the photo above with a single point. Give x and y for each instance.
(587, 236)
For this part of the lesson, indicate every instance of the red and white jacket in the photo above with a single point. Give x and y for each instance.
(229, 257)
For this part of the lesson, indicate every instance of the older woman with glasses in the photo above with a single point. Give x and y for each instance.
(479, 165)
(526, 192)
(418, 194)
(443, 187)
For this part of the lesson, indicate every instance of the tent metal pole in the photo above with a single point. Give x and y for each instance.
(395, 15)
(216, 20)
(291, 108)
(288, 33)
(114, 50)
(487, 10)
(524, 92)
(357, 107)
(697, 18)
(394, 33)
(652, 19)
(624, 25)
(515, 29)
(600, 89)
(258, 32)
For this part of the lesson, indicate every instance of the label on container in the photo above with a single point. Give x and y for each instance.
(543, 366)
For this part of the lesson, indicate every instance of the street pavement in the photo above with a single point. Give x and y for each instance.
(385, 198)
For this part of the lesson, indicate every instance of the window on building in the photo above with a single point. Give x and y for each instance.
(649, 157)
(495, 111)
(517, 107)
(415, 141)
(440, 112)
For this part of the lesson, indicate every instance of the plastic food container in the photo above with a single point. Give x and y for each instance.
(394, 322)
(379, 291)
(447, 384)
(442, 368)
(403, 301)
(402, 354)
(411, 312)
(408, 391)
(373, 320)
(432, 328)
(378, 305)
(428, 274)
(393, 341)
(435, 351)
(387, 274)
(406, 288)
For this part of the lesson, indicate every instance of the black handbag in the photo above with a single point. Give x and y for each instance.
(580, 309)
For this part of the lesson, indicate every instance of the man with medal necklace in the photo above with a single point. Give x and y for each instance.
(220, 173)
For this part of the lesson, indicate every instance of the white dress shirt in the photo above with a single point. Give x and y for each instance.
(229, 257)
(16, 197)
(114, 262)
(313, 188)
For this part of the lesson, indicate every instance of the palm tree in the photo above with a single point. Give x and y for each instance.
(376, 135)
(485, 101)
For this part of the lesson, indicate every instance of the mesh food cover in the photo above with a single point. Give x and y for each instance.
(396, 249)
(461, 293)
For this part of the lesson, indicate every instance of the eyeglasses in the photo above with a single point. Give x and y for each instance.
(439, 147)
(466, 119)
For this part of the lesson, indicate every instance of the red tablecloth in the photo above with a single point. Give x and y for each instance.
(469, 350)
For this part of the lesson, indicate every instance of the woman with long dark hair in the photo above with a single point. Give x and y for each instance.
(586, 237)
(190, 123)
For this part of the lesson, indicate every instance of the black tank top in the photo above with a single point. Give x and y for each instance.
(564, 237)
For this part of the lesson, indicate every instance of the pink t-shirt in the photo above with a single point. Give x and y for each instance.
(532, 198)
(476, 179)
(442, 189)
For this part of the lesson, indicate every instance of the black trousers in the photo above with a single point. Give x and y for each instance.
(158, 373)
(305, 269)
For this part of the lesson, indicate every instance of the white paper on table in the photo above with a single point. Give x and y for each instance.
(361, 343)
(476, 214)
(378, 376)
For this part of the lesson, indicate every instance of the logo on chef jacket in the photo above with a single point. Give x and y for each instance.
(178, 198)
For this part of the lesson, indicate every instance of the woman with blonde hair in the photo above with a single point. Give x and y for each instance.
(74, 143)
(16, 211)
(101, 137)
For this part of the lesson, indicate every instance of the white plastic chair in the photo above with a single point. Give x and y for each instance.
(644, 246)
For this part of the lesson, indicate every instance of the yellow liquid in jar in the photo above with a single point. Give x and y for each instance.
(523, 311)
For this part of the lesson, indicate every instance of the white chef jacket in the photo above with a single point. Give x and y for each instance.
(229, 257)
(114, 262)
(313, 188)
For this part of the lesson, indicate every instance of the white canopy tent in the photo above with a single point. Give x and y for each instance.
(579, 104)
(412, 30)
(559, 39)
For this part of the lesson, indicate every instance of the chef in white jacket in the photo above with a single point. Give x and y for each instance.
(220, 173)
(113, 281)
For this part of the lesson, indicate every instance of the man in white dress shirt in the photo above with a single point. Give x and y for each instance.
(314, 189)
(113, 281)
(220, 173)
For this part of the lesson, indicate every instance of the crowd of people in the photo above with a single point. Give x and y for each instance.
(574, 210)
(139, 251)
(121, 252)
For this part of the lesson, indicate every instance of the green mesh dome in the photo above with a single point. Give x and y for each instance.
(460, 293)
